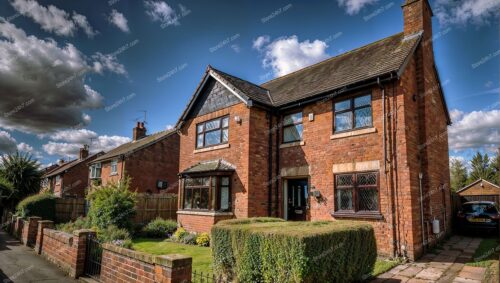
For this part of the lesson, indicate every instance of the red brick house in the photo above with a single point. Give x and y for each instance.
(69, 179)
(360, 136)
(152, 162)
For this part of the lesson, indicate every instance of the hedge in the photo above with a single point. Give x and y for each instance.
(41, 205)
(272, 250)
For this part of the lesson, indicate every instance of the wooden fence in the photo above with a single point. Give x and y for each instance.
(155, 205)
(68, 209)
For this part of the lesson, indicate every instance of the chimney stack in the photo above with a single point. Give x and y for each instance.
(139, 131)
(84, 152)
(417, 15)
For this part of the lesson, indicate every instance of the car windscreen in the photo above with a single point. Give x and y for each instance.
(480, 208)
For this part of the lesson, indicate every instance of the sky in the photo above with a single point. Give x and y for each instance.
(74, 73)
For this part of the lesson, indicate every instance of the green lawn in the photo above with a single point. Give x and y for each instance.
(202, 256)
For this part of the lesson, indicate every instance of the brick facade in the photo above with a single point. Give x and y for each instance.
(405, 143)
(30, 228)
(158, 161)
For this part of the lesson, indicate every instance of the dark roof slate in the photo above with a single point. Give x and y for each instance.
(210, 166)
(378, 58)
(133, 146)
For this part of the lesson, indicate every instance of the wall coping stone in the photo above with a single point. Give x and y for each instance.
(171, 261)
(59, 235)
(204, 213)
(83, 231)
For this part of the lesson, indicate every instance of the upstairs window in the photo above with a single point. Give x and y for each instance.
(292, 127)
(114, 167)
(95, 171)
(213, 132)
(353, 113)
(58, 179)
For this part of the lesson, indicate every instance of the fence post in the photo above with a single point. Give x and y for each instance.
(42, 224)
(80, 248)
(173, 268)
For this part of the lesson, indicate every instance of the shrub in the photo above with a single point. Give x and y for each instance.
(79, 223)
(112, 204)
(115, 235)
(41, 205)
(256, 250)
(160, 228)
(203, 240)
(180, 233)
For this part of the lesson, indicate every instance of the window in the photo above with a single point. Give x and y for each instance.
(207, 193)
(114, 167)
(58, 179)
(95, 171)
(357, 192)
(292, 127)
(212, 132)
(353, 113)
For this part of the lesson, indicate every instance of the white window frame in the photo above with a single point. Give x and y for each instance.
(58, 179)
(114, 167)
(93, 171)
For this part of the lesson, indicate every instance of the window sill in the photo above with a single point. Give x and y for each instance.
(113, 174)
(204, 213)
(292, 144)
(216, 147)
(353, 133)
(360, 215)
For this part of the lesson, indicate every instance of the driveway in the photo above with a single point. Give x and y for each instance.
(19, 263)
(447, 265)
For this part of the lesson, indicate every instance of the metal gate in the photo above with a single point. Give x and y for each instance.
(93, 257)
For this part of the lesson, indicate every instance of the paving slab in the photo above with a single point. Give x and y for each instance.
(21, 264)
(472, 272)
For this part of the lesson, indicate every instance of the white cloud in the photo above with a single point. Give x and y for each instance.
(67, 143)
(24, 147)
(107, 62)
(354, 6)
(463, 12)
(7, 142)
(475, 130)
(162, 12)
(169, 127)
(287, 54)
(260, 41)
(119, 20)
(42, 85)
(53, 19)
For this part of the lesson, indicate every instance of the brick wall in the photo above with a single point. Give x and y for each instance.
(200, 223)
(66, 250)
(123, 265)
(29, 231)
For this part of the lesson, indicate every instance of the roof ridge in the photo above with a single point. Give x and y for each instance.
(334, 57)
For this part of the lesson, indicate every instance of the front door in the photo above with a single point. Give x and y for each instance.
(297, 204)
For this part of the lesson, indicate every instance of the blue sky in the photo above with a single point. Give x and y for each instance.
(70, 71)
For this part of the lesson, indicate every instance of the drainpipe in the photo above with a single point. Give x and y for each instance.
(389, 197)
(424, 243)
(270, 166)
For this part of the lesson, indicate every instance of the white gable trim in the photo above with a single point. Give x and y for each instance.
(473, 183)
(242, 97)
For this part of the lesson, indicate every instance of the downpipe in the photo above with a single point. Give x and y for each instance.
(424, 241)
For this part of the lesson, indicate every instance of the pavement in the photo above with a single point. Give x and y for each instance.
(19, 263)
(446, 265)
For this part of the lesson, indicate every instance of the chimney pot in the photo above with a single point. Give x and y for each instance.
(139, 131)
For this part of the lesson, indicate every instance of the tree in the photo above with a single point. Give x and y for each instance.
(482, 168)
(23, 173)
(458, 174)
(497, 167)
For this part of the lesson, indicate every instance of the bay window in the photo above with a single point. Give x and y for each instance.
(353, 113)
(213, 132)
(207, 193)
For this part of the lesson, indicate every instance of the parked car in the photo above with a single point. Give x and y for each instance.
(478, 215)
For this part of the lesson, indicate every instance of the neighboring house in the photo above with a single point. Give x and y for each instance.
(152, 162)
(44, 184)
(70, 178)
(360, 136)
(480, 190)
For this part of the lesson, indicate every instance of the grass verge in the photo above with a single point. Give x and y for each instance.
(486, 256)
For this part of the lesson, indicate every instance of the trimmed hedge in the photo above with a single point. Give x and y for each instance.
(272, 250)
(160, 228)
(41, 205)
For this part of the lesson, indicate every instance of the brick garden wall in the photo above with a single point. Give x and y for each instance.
(124, 265)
